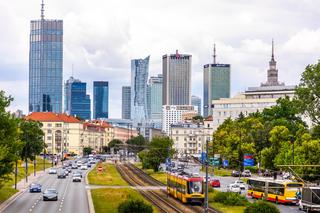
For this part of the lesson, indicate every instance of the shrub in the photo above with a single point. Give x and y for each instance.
(261, 207)
(134, 206)
(252, 169)
(230, 199)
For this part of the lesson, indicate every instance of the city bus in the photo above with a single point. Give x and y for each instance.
(278, 191)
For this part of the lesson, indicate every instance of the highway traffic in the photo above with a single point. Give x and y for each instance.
(72, 196)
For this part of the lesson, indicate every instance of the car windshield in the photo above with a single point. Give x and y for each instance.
(195, 187)
(51, 191)
(76, 175)
(34, 185)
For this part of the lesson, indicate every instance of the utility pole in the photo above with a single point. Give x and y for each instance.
(16, 175)
(207, 191)
(34, 164)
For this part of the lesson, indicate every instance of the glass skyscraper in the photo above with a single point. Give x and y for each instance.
(216, 84)
(176, 69)
(100, 99)
(139, 79)
(196, 101)
(154, 97)
(45, 65)
(126, 102)
(77, 102)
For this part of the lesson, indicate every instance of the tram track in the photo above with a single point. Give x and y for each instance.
(163, 203)
(154, 182)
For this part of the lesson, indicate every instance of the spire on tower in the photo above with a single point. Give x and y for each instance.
(272, 55)
(214, 54)
(42, 10)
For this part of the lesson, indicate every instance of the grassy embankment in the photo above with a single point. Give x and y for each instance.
(161, 176)
(108, 199)
(7, 190)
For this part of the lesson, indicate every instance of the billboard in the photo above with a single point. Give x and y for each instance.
(248, 160)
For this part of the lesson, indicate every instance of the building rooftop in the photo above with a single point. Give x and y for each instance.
(271, 88)
(52, 117)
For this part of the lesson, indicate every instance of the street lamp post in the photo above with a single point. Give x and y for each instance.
(207, 191)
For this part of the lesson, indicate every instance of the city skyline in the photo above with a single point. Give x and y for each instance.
(112, 42)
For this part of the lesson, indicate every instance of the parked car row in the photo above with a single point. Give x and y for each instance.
(245, 173)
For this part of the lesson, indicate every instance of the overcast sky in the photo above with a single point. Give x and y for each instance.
(102, 36)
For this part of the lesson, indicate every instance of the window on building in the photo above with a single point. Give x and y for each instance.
(49, 125)
(185, 144)
(49, 131)
(177, 132)
(49, 138)
(177, 138)
(58, 125)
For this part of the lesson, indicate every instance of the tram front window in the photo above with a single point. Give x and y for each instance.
(195, 187)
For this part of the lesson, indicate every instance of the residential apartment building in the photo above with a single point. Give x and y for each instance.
(190, 138)
(176, 70)
(66, 134)
(172, 114)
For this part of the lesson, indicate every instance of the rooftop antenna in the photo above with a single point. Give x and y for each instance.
(214, 54)
(42, 10)
(72, 71)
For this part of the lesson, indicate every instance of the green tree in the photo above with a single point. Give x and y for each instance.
(114, 143)
(308, 92)
(160, 148)
(87, 150)
(138, 143)
(32, 137)
(10, 145)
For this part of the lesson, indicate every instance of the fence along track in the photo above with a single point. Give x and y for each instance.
(160, 202)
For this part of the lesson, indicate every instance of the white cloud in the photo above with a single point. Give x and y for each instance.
(101, 37)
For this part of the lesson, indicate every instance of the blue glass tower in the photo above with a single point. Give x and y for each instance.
(45, 65)
(77, 102)
(139, 79)
(100, 99)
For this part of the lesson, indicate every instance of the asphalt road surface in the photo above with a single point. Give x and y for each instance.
(72, 197)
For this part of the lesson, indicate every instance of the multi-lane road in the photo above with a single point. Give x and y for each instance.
(72, 197)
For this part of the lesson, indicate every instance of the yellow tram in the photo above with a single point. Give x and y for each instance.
(185, 188)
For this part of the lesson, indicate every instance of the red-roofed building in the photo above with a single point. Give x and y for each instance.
(67, 134)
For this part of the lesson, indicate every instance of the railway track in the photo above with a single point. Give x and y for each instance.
(162, 202)
(154, 182)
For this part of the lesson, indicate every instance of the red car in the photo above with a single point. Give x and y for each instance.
(215, 183)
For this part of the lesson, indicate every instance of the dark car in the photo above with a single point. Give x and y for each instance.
(215, 183)
(61, 174)
(35, 187)
(89, 165)
(235, 173)
(50, 194)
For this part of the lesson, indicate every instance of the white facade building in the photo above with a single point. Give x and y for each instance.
(190, 138)
(172, 114)
(232, 107)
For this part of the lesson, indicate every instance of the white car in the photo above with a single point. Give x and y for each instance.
(76, 177)
(84, 167)
(241, 184)
(52, 171)
(234, 188)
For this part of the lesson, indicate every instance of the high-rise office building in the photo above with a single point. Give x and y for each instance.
(176, 69)
(196, 101)
(100, 99)
(45, 65)
(139, 79)
(154, 97)
(126, 102)
(216, 83)
(76, 101)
